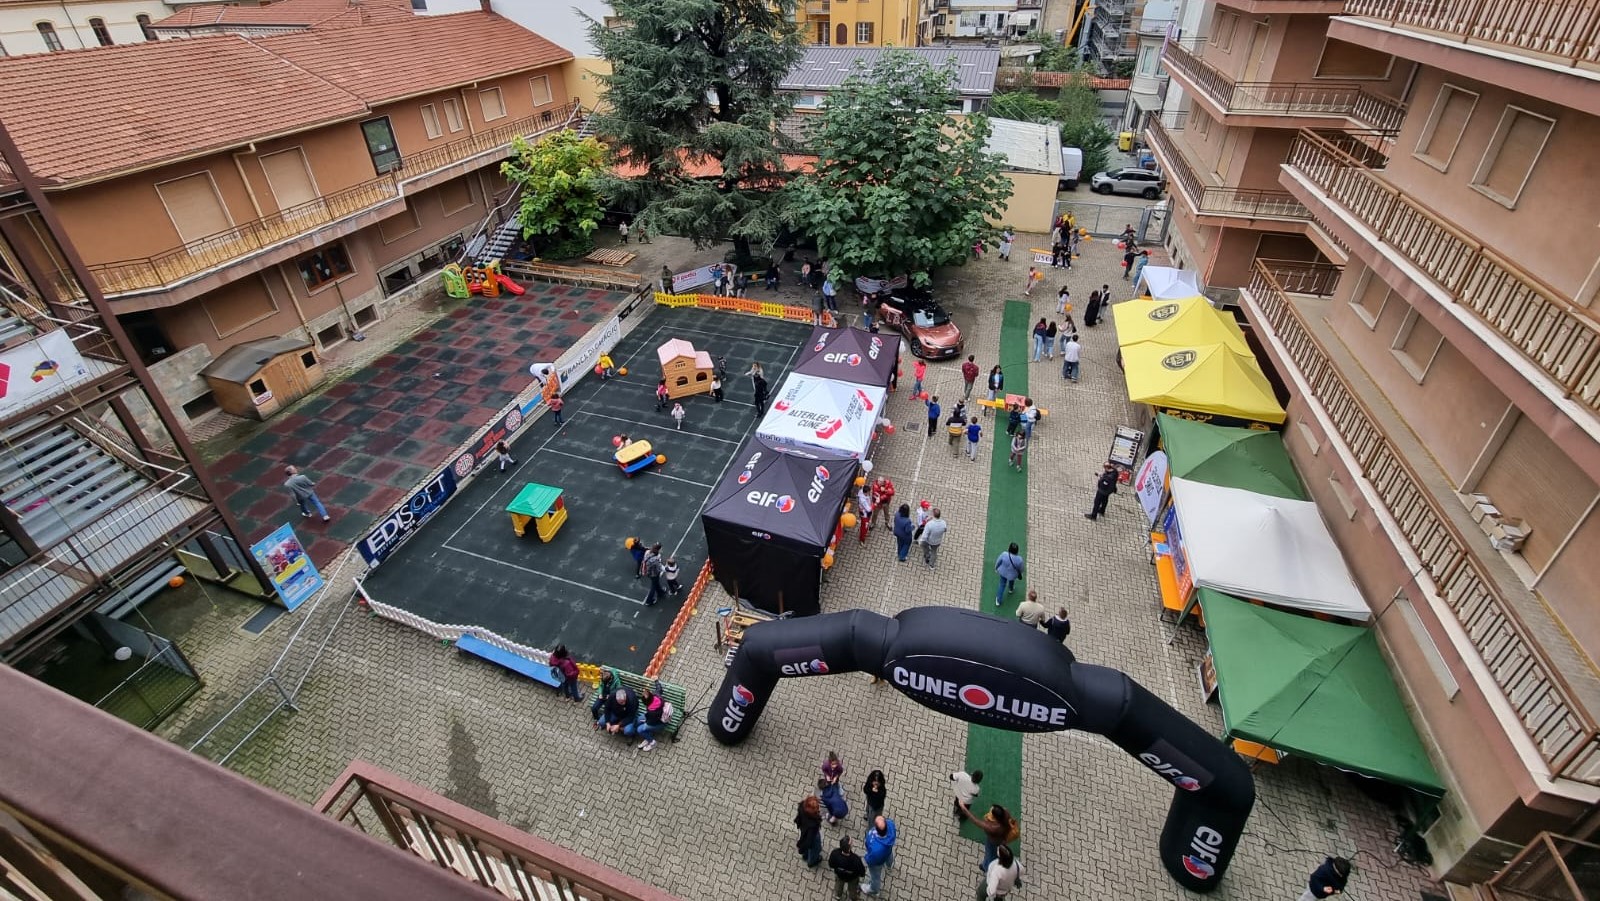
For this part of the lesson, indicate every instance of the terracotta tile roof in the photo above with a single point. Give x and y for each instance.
(1017, 77)
(466, 47)
(82, 114)
(288, 13)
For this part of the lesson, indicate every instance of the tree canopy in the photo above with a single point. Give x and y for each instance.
(900, 186)
(1083, 125)
(692, 106)
(560, 176)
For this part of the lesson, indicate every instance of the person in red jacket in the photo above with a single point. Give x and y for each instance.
(969, 375)
(882, 496)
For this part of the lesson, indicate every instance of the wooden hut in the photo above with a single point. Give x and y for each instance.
(687, 371)
(258, 378)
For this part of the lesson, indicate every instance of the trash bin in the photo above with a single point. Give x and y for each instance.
(1125, 142)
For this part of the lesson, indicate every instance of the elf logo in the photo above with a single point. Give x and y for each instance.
(745, 476)
(873, 347)
(1205, 845)
(733, 712)
(1173, 774)
(819, 479)
(783, 502)
(849, 359)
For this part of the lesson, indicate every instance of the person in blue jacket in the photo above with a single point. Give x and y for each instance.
(903, 530)
(880, 852)
(832, 798)
(1327, 880)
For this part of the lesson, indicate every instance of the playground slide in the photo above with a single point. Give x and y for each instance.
(510, 285)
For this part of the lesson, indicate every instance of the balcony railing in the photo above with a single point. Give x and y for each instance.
(1564, 732)
(1218, 200)
(1565, 30)
(1287, 98)
(1559, 337)
(1550, 867)
(223, 248)
(478, 848)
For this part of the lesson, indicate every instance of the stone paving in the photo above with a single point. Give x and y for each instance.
(704, 821)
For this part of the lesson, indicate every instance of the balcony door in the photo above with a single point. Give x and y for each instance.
(1258, 51)
(291, 183)
(381, 144)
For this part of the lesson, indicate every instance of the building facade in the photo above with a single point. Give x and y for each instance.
(1384, 181)
(866, 23)
(231, 216)
(33, 26)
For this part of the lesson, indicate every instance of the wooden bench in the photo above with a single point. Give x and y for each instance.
(538, 672)
(673, 693)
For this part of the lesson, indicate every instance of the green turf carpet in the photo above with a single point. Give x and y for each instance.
(995, 751)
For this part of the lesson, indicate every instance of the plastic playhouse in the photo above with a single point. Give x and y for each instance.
(540, 504)
(486, 280)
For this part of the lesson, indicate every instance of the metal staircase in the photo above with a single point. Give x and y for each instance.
(13, 328)
(502, 239)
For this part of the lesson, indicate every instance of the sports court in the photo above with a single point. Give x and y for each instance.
(467, 566)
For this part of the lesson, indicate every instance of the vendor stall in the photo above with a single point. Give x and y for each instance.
(770, 521)
(850, 355)
(1318, 689)
(1250, 459)
(1209, 383)
(1166, 283)
(1189, 322)
(823, 416)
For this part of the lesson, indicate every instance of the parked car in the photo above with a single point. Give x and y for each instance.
(1142, 182)
(924, 324)
(1071, 169)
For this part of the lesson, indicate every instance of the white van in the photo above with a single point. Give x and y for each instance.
(1071, 168)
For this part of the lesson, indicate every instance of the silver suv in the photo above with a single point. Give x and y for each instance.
(1142, 182)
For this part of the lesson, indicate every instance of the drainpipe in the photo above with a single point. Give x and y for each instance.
(74, 26)
(249, 189)
(294, 300)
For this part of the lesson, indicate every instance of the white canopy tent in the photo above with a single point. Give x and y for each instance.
(1167, 283)
(823, 414)
(1270, 549)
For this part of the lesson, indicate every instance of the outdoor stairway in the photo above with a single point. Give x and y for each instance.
(502, 239)
(58, 481)
(13, 328)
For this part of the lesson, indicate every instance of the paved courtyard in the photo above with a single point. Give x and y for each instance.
(704, 821)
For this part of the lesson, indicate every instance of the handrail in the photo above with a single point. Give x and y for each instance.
(224, 247)
(1563, 730)
(1555, 334)
(1541, 869)
(1339, 98)
(1565, 30)
(1220, 200)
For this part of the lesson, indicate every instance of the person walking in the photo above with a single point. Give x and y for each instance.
(677, 415)
(808, 817)
(1003, 876)
(644, 232)
(933, 414)
(1129, 254)
(1006, 239)
(969, 375)
(903, 530)
(933, 538)
(848, 868)
(653, 569)
(1071, 353)
(305, 492)
(1019, 447)
(875, 790)
(999, 827)
(502, 453)
(666, 280)
(716, 389)
(1063, 301)
(1032, 613)
(561, 661)
(669, 574)
(974, 433)
(622, 229)
(879, 842)
(1327, 880)
(997, 385)
(662, 397)
(1058, 626)
(1034, 277)
(882, 499)
(1010, 567)
(1142, 261)
(636, 550)
(1050, 341)
(1091, 313)
(919, 370)
(1039, 331)
(829, 301)
(1104, 487)
(761, 395)
(755, 372)
(965, 785)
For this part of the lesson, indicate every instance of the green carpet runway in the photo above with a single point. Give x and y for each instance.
(995, 751)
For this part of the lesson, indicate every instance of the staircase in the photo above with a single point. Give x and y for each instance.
(58, 481)
(13, 328)
(502, 239)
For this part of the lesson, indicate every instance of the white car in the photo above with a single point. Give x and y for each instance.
(1142, 182)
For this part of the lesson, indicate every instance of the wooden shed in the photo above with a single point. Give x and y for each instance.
(258, 378)
(687, 371)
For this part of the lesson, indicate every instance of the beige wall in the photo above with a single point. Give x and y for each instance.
(1032, 205)
(888, 18)
(579, 76)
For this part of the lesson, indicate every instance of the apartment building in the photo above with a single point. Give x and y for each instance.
(866, 23)
(292, 184)
(1402, 189)
(36, 26)
(986, 19)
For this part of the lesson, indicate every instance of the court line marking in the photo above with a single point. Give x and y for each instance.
(675, 431)
(652, 390)
(534, 572)
(610, 463)
(516, 470)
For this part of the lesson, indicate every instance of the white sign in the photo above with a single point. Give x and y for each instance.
(1150, 485)
(704, 275)
(825, 414)
(45, 365)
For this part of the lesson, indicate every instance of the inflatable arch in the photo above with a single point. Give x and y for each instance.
(998, 673)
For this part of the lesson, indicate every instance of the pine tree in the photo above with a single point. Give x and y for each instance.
(694, 87)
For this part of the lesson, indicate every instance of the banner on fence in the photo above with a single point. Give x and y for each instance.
(579, 359)
(284, 559)
(404, 519)
(39, 366)
(703, 275)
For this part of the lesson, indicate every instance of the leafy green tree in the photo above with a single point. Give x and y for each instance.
(560, 176)
(1083, 125)
(900, 186)
(691, 107)
(1024, 106)
(1055, 57)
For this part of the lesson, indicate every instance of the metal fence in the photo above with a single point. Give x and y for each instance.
(164, 681)
(1107, 220)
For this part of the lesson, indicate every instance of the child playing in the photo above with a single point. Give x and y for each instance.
(556, 403)
(864, 510)
(669, 571)
(974, 432)
(607, 370)
(636, 550)
(716, 388)
(661, 395)
(502, 451)
(677, 415)
(832, 799)
(1019, 447)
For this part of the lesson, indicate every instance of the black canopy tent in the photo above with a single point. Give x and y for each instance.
(850, 355)
(769, 522)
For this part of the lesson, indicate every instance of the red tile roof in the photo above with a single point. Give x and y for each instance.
(287, 13)
(86, 114)
(1018, 77)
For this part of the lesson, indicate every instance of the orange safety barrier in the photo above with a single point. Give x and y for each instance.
(669, 642)
(769, 309)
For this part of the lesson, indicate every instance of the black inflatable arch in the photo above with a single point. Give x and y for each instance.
(999, 673)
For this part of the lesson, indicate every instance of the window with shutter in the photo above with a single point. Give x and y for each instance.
(1452, 108)
(1509, 159)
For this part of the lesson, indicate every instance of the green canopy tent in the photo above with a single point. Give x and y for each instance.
(1249, 459)
(1314, 688)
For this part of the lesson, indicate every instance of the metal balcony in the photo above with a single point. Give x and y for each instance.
(1541, 674)
(1549, 867)
(1565, 31)
(1285, 99)
(1242, 205)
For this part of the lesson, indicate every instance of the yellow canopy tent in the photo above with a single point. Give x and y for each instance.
(1211, 380)
(1189, 322)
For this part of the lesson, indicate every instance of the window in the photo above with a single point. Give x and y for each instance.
(452, 115)
(1222, 31)
(330, 336)
(430, 121)
(541, 90)
(381, 144)
(420, 6)
(320, 267)
(1147, 60)
(822, 33)
(1416, 344)
(863, 32)
(1201, 120)
(308, 359)
(1509, 159)
(1371, 295)
(1442, 132)
(399, 225)
(101, 32)
(455, 196)
(494, 105)
(144, 26)
(258, 388)
(52, 41)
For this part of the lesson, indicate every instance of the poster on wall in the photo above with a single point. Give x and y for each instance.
(47, 364)
(285, 561)
(1182, 575)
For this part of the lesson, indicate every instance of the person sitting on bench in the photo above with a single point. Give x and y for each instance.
(657, 715)
(619, 715)
(609, 683)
